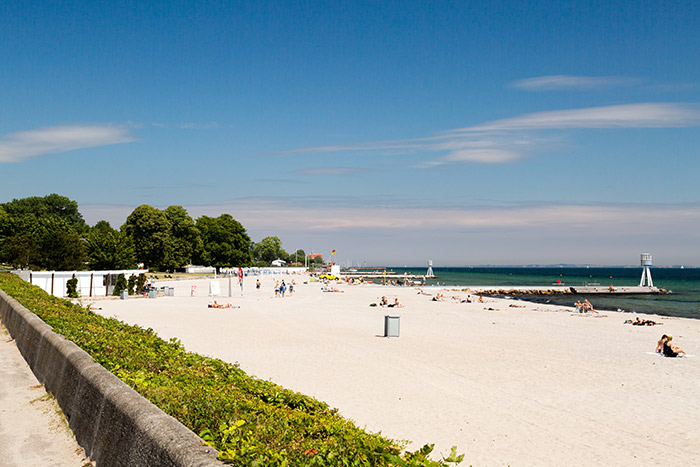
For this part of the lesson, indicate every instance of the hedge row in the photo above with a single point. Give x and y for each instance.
(250, 421)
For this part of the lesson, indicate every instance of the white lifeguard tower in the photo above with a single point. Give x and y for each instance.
(430, 268)
(646, 272)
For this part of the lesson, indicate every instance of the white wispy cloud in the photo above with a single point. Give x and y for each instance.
(643, 115)
(508, 140)
(480, 156)
(564, 82)
(15, 147)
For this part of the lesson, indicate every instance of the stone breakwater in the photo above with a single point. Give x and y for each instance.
(563, 290)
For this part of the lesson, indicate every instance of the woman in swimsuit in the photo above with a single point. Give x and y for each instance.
(665, 347)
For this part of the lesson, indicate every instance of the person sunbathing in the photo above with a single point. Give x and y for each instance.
(588, 307)
(644, 322)
(667, 349)
(396, 304)
(219, 305)
(384, 301)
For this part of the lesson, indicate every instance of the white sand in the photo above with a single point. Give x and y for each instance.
(33, 430)
(527, 386)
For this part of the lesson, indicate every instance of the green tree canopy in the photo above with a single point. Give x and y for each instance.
(108, 248)
(298, 256)
(52, 205)
(269, 249)
(225, 243)
(185, 238)
(149, 231)
(59, 245)
(165, 239)
(42, 233)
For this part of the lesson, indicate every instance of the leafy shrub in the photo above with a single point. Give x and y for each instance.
(72, 287)
(132, 284)
(120, 285)
(250, 421)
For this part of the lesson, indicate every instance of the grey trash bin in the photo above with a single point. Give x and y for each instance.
(171, 291)
(153, 293)
(124, 294)
(391, 326)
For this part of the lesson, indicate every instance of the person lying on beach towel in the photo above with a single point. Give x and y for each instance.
(642, 322)
(219, 305)
(667, 349)
(396, 304)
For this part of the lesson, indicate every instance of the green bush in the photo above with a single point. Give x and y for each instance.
(120, 285)
(250, 421)
(132, 284)
(72, 287)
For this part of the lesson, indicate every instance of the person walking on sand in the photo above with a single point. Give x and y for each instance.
(257, 284)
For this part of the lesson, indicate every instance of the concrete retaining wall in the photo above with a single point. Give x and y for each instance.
(115, 425)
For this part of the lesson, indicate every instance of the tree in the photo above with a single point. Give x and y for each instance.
(42, 232)
(185, 238)
(269, 249)
(52, 205)
(225, 243)
(298, 256)
(120, 285)
(109, 249)
(60, 246)
(149, 230)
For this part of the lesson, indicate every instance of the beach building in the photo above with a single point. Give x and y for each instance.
(90, 283)
(192, 269)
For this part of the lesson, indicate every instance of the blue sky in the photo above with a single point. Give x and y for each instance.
(394, 132)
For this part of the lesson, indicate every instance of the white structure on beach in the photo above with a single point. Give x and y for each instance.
(646, 272)
(430, 268)
(90, 283)
(192, 269)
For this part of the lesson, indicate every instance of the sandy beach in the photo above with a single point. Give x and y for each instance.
(507, 382)
(33, 430)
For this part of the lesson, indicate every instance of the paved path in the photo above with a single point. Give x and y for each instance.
(33, 430)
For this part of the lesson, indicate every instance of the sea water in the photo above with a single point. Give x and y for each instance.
(683, 285)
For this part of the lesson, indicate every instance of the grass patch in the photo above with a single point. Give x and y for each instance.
(250, 421)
